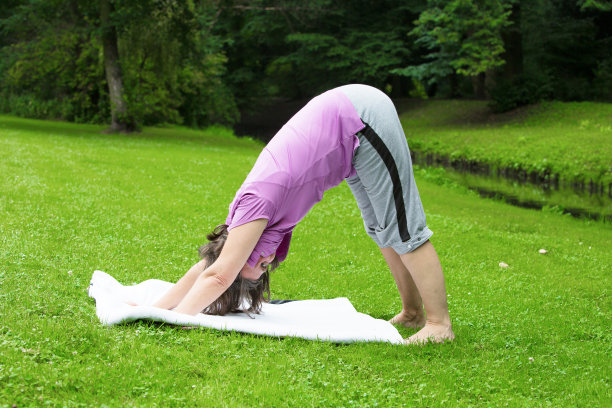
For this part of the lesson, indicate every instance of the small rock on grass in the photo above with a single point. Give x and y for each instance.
(503, 265)
(543, 251)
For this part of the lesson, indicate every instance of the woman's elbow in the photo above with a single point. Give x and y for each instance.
(222, 281)
(218, 280)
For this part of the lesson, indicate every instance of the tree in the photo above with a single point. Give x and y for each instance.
(462, 37)
(174, 63)
(120, 122)
(296, 49)
(136, 63)
(568, 48)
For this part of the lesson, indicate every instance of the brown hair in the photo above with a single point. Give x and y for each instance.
(242, 292)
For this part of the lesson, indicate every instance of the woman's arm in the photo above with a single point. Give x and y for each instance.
(215, 280)
(178, 291)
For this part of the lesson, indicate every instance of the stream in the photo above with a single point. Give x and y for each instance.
(564, 198)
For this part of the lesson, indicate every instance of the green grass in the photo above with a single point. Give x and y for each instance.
(73, 200)
(573, 140)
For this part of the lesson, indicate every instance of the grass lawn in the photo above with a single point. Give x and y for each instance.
(573, 140)
(73, 200)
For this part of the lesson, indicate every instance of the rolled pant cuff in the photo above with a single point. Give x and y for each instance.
(414, 242)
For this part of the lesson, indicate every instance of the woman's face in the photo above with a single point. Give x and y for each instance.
(254, 273)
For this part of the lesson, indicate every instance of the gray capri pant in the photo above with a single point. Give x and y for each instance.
(384, 185)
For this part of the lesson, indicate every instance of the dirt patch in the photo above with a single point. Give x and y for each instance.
(463, 112)
(487, 116)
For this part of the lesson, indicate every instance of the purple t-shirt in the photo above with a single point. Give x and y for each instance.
(312, 153)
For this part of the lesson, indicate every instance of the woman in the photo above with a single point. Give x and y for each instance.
(353, 133)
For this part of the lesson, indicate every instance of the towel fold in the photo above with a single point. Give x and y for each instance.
(334, 320)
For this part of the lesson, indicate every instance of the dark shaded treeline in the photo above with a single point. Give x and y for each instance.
(202, 61)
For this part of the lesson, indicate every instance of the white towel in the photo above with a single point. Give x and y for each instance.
(333, 320)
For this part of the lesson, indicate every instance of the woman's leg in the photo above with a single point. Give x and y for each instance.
(412, 306)
(412, 315)
(395, 217)
(426, 271)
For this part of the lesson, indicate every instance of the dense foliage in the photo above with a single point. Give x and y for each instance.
(200, 61)
(298, 49)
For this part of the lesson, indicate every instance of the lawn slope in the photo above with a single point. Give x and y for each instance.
(568, 142)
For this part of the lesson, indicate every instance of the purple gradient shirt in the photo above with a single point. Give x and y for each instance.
(312, 153)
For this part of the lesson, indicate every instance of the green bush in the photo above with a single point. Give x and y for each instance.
(29, 106)
(69, 84)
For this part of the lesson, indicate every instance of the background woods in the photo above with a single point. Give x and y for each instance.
(202, 61)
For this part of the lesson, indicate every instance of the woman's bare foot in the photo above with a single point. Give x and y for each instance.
(410, 320)
(432, 333)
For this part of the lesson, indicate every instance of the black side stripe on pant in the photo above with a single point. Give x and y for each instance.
(398, 195)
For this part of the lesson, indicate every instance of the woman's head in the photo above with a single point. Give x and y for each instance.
(244, 295)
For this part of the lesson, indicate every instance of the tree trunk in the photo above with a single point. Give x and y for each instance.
(119, 120)
(512, 70)
(478, 86)
(513, 43)
(454, 85)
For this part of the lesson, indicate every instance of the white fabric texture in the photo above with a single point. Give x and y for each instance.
(334, 320)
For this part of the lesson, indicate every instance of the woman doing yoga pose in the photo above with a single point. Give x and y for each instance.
(349, 133)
